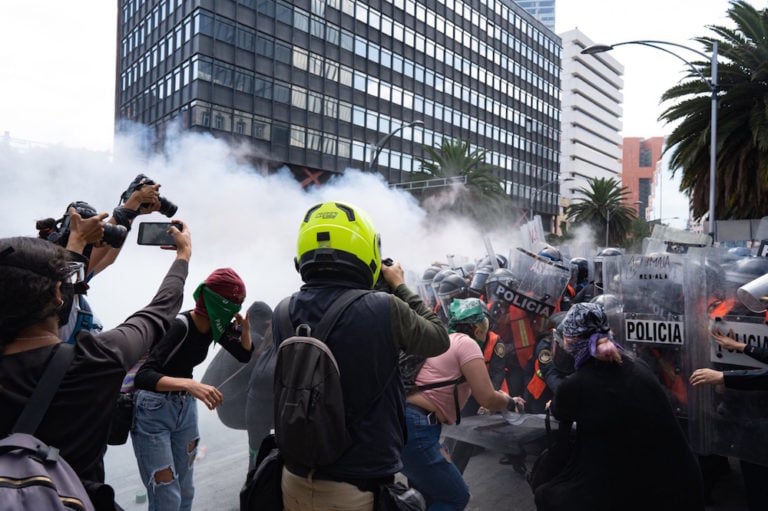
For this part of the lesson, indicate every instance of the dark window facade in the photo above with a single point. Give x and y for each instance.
(317, 83)
(645, 156)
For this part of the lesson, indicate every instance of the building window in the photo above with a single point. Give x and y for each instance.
(219, 122)
(645, 157)
(299, 97)
(344, 149)
(298, 136)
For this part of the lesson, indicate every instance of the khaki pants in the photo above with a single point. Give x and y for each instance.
(303, 494)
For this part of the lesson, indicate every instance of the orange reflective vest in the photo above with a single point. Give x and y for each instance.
(522, 334)
(537, 385)
(721, 308)
(671, 379)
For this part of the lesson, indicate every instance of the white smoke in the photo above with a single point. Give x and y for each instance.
(238, 217)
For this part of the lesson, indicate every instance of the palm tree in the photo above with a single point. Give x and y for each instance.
(603, 203)
(741, 183)
(455, 158)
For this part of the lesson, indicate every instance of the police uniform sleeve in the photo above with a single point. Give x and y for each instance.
(551, 376)
(759, 353)
(746, 379)
(416, 329)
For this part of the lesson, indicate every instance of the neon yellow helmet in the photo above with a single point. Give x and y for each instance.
(335, 237)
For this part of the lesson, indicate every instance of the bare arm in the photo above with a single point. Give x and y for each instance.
(208, 394)
(482, 390)
(143, 201)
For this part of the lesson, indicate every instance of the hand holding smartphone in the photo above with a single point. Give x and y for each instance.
(156, 233)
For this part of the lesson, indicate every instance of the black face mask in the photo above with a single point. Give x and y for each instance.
(68, 298)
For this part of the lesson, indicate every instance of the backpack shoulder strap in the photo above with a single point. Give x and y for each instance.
(43, 394)
(335, 311)
(438, 384)
(183, 318)
(326, 324)
(284, 325)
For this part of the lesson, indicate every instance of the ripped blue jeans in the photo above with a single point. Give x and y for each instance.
(165, 439)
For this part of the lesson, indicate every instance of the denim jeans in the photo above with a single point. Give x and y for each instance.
(165, 436)
(427, 469)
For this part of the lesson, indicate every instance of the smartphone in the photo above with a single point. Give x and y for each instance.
(156, 233)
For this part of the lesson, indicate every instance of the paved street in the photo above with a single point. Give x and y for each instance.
(221, 469)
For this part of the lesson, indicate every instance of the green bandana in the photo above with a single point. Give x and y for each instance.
(220, 310)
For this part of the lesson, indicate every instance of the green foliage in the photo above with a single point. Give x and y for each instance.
(741, 182)
(454, 158)
(603, 202)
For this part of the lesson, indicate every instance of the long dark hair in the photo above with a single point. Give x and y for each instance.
(30, 268)
(465, 328)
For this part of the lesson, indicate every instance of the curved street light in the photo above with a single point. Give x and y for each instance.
(378, 147)
(711, 83)
(537, 190)
(608, 212)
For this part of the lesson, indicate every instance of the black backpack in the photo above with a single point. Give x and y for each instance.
(410, 365)
(262, 491)
(310, 424)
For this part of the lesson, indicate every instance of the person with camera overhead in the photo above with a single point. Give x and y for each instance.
(85, 232)
(165, 433)
(35, 284)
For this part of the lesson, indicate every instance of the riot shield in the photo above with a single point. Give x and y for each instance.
(650, 288)
(724, 421)
(231, 376)
(542, 283)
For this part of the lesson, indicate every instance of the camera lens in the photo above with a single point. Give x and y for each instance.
(167, 207)
(114, 235)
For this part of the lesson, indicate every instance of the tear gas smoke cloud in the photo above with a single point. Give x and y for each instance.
(238, 217)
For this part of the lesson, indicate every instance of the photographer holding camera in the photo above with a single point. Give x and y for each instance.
(84, 231)
(34, 278)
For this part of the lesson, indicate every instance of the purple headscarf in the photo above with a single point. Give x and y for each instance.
(589, 323)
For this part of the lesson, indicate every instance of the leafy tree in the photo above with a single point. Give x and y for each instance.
(603, 202)
(742, 124)
(454, 158)
(639, 229)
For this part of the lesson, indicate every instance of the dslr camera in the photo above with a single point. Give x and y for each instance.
(58, 231)
(167, 207)
(381, 284)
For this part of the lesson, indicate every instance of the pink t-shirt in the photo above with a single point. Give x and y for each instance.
(447, 367)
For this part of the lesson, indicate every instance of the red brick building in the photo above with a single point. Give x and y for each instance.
(641, 160)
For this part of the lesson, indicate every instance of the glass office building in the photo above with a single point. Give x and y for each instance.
(315, 84)
(542, 10)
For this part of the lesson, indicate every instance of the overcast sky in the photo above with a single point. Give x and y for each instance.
(57, 64)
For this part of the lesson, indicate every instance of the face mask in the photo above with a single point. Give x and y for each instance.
(220, 310)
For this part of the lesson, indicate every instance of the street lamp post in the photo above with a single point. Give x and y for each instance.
(537, 190)
(711, 83)
(378, 147)
(608, 222)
